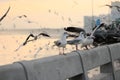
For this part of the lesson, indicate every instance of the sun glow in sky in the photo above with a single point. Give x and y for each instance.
(50, 13)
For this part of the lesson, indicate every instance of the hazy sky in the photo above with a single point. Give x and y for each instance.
(50, 13)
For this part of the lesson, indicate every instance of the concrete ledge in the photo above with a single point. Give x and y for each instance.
(61, 67)
(12, 72)
(115, 51)
(58, 67)
(95, 57)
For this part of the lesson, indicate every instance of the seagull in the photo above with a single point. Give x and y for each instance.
(62, 42)
(77, 40)
(89, 39)
(25, 18)
(20, 17)
(35, 37)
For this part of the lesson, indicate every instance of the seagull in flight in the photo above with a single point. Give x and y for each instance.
(35, 37)
(20, 17)
(62, 42)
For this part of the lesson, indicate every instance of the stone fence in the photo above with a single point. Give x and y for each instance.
(73, 66)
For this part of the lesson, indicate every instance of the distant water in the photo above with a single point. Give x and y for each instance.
(53, 32)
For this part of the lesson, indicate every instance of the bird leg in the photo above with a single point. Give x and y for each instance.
(60, 52)
(76, 47)
(86, 47)
(63, 51)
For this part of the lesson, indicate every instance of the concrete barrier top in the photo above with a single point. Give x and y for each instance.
(115, 51)
(95, 57)
(58, 67)
(12, 72)
(61, 67)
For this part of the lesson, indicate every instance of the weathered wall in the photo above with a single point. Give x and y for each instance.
(74, 66)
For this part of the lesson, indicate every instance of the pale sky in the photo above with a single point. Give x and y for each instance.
(50, 13)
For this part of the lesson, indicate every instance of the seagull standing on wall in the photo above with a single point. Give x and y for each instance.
(89, 39)
(62, 42)
(77, 40)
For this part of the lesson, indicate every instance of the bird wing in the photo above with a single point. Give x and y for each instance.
(74, 29)
(44, 34)
(5, 14)
(96, 29)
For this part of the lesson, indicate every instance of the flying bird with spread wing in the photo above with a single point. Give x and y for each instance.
(35, 37)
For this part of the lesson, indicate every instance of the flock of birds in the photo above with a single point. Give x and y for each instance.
(80, 38)
(101, 34)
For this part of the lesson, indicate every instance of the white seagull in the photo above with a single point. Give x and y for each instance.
(77, 40)
(62, 42)
(89, 39)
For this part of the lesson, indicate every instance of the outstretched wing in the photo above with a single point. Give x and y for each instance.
(44, 34)
(74, 29)
(5, 14)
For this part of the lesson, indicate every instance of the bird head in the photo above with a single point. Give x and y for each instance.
(82, 34)
(66, 34)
